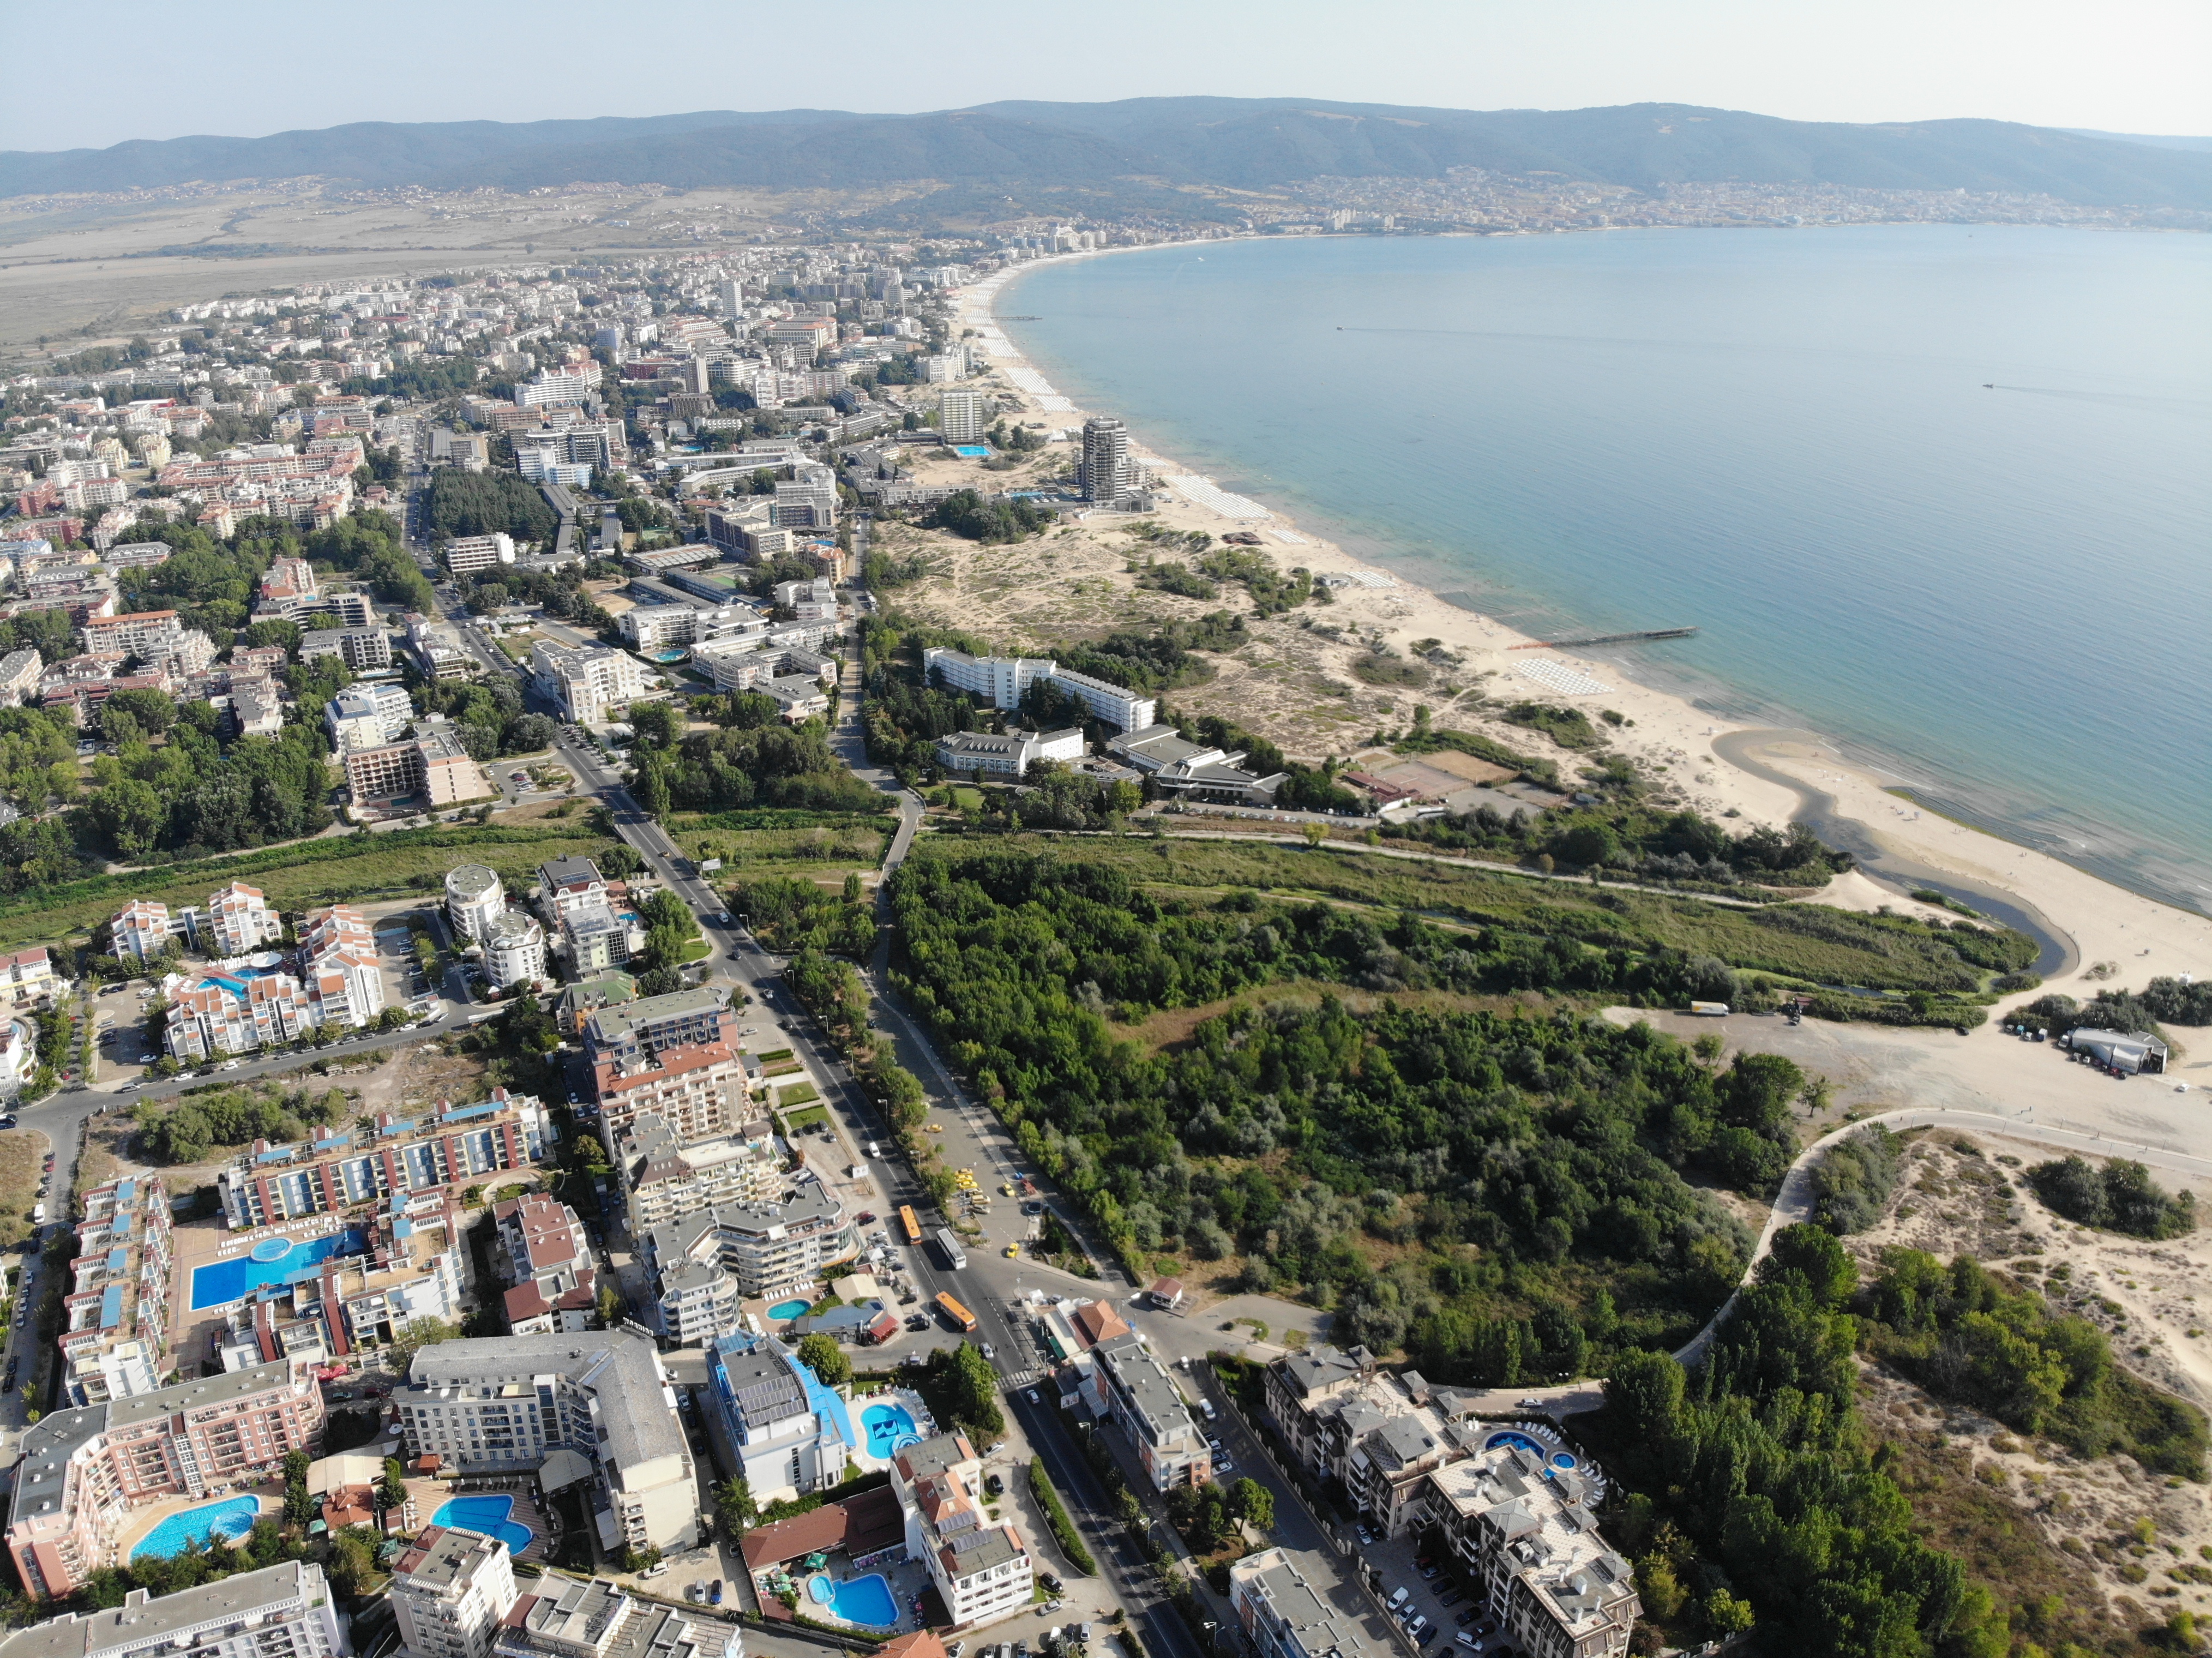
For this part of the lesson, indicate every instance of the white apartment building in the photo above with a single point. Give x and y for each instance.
(597, 1619)
(473, 555)
(658, 627)
(240, 922)
(1116, 705)
(767, 1247)
(589, 682)
(450, 1591)
(474, 898)
(515, 950)
(1529, 1535)
(280, 1611)
(787, 1439)
(963, 416)
(501, 1404)
(566, 886)
(980, 1568)
(140, 930)
(1009, 755)
(1108, 473)
(367, 716)
(19, 677)
(1004, 680)
(666, 1178)
(1285, 1616)
(338, 966)
(1128, 1384)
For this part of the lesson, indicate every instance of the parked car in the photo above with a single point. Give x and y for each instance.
(1428, 1572)
(715, 1594)
(1365, 1535)
(993, 1486)
(1467, 1617)
(655, 1570)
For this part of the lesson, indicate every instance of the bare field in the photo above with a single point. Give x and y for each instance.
(1963, 1194)
(81, 267)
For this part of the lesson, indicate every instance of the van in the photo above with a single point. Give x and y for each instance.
(1397, 1597)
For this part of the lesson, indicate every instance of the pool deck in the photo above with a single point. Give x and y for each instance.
(141, 1521)
(193, 1334)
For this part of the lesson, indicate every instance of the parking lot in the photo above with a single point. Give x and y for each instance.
(1433, 1600)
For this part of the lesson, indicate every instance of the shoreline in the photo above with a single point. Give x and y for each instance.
(1746, 768)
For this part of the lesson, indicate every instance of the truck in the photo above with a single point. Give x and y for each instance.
(960, 1315)
(955, 1258)
(1710, 1010)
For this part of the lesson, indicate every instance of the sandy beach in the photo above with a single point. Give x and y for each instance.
(1725, 770)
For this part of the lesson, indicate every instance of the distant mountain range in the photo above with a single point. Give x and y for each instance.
(1158, 149)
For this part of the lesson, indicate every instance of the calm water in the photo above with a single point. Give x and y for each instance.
(1783, 437)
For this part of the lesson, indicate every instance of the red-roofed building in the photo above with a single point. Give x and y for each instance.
(547, 1256)
(1099, 1321)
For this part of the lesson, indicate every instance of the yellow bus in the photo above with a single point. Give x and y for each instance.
(959, 1315)
(913, 1225)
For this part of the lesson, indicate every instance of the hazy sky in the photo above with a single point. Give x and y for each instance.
(251, 67)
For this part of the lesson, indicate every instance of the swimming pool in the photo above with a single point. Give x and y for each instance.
(487, 1514)
(1508, 1437)
(888, 1427)
(784, 1311)
(230, 1519)
(235, 979)
(866, 1601)
(972, 451)
(225, 1281)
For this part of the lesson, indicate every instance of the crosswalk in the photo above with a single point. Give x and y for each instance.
(1021, 1378)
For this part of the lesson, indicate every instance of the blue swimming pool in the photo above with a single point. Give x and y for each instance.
(1519, 1441)
(225, 1281)
(487, 1514)
(230, 1519)
(784, 1311)
(972, 451)
(865, 1600)
(888, 1428)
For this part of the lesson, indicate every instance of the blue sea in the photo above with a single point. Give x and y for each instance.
(1941, 492)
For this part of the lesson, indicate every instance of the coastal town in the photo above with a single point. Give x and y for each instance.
(697, 969)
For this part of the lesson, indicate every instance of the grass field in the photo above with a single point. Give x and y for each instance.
(805, 845)
(21, 1153)
(349, 869)
(1808, 942)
